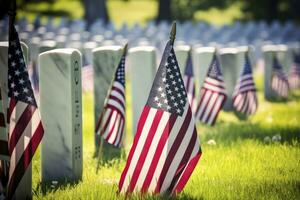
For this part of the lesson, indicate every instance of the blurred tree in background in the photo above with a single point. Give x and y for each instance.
(168, 10)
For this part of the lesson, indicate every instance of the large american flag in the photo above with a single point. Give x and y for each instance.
(279, 82)
(294, 76)
(166, 148)
(24, 123)
(112, 120)
(189, 82)
(244, 96)
(212, 94)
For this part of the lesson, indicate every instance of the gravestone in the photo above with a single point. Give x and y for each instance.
(24, 189)
(182, 52)
(142, 62)
(268, 54)
(47, 45)
(60, 106)
(202, 57)
(230, 69)
(105, 63)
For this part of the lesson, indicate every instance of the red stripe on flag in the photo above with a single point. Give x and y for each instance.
(140, 127)
(158, 151)
(184, 160)
(143, 155)
(24, 161)
(20, 126)
(173, 150)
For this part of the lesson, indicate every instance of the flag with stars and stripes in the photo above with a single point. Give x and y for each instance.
(111, 124)
(294, 76)
(279, 82)
(24, 123)
(244, 96)
(189, 82)
(212, 94)
(166, 148)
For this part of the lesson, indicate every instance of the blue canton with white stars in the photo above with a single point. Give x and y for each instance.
(214, 70)
(247, 67)
(120, 73)
(168, 91)
(18, 80)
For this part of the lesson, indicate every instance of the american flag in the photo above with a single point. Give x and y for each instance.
(189, 82)
(294, 76)
(112, 120)
(212, 94)
(166, 148)
(279, 80)
(24, 123)
(244, 96)
(87, 78)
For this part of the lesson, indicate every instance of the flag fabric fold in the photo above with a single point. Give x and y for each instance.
(294, 76)
(279, 81)
(212, 94)
(189, 82)
(25, 129)
(166, 148)
(111, 124)
(244, 96)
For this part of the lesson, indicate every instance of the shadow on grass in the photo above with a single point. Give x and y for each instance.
(228, 133)
(53, 186)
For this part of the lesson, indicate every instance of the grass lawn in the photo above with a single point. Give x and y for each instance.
(240, 166)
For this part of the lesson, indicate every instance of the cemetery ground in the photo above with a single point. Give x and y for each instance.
(245, 163)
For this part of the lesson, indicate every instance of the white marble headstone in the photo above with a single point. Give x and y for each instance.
(230, 70)
(61, 113)
(182, 52)
(268, 53)
(142, 64)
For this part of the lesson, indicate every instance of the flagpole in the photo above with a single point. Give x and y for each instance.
(173, 33)
(12, 15)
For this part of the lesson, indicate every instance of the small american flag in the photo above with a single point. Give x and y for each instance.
(244, 96)
(279, 82)
(189, 82)
(112, 121)
(166, 148)
(24, 123)
(87, 78)
(294, 77)
(212, 94)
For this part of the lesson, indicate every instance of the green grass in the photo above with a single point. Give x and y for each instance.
(240, 166)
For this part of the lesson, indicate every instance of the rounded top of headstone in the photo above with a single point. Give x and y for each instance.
(142, 48)
(282, 47)
(108, 48)
(182, 48)
(269, 47)
(67, 51)
(227, 50)
(48, 43)
(205, 49)
(90, 45)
